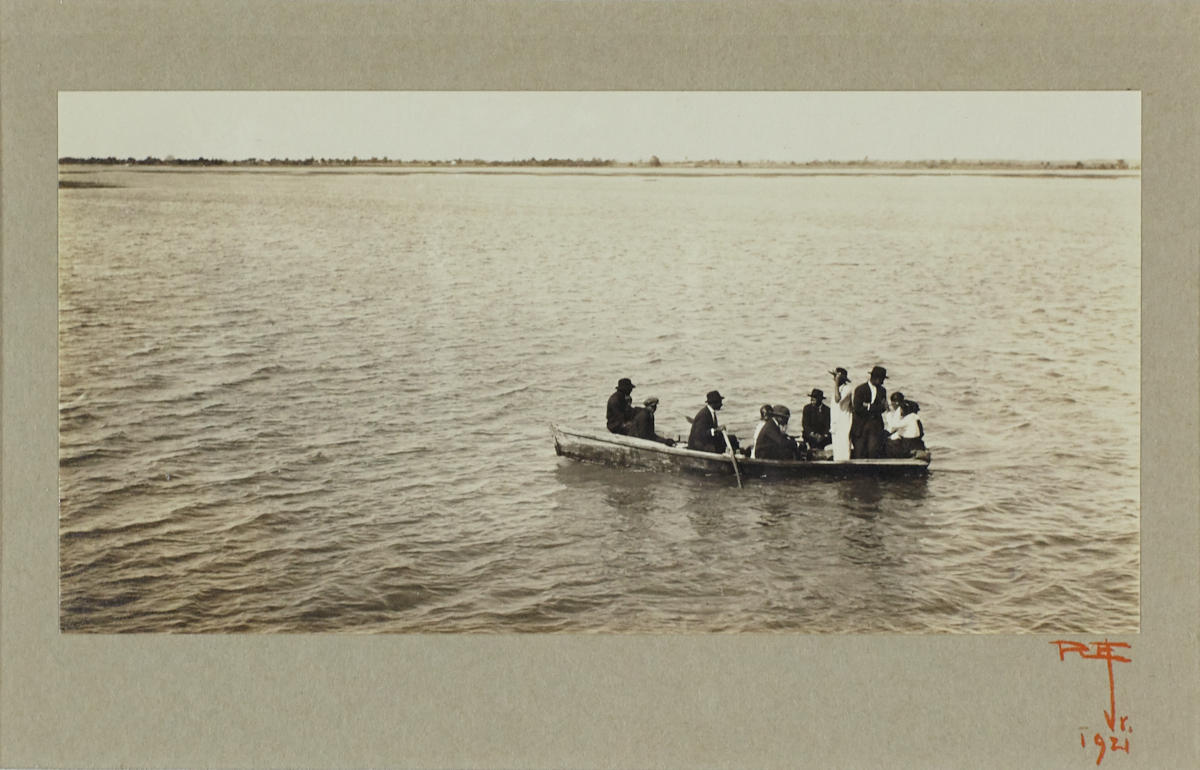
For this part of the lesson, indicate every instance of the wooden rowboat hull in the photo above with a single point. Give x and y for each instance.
(625, 452)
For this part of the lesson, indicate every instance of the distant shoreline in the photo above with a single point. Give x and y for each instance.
(864, 165)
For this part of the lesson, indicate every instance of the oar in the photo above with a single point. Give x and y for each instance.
(732, 457)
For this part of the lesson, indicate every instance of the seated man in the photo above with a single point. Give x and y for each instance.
(771, 441)
(814, 424)
(620, 407)
(783, 415)
(642, 425)
(706, 435)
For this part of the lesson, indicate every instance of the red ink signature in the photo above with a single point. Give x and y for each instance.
(1104, 651)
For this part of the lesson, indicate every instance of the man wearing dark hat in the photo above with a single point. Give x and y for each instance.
(771, 441)
(814, 422)
(866, 429)
(706, 434)
(793, 447)
(642, 425)
(620, 407)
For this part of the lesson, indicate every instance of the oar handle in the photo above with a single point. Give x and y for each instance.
(732, 456)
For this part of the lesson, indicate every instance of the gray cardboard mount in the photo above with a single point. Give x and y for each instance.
(574, 700)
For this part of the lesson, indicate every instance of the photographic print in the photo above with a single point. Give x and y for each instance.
(599, 362)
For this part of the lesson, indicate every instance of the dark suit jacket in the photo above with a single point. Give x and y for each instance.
(620, 412)
(643, 426)
(815, 420)
(773, 444)
(701, 437)
(868, 414)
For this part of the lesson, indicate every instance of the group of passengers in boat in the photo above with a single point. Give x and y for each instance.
(862, 423)
(628, 420)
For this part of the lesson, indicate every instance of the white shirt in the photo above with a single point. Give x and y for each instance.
(891, 418)
(754, 441)
(841, 396)
(907, 427)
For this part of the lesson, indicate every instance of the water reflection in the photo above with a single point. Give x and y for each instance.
(775, 510)
(862, 492)
(706, 511)
(867, 492)
(862, 543)
(635, 494)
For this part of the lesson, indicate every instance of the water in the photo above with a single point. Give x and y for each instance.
(298, 401)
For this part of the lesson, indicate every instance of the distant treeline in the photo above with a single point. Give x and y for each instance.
(955, 163)
(653, 162)
(355, 161)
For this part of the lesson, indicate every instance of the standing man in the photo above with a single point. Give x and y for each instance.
(814, 422)
(866, 430)
(642, 425)
(706, 434)
(620, 407)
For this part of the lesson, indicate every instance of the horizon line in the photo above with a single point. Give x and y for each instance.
(596, 161)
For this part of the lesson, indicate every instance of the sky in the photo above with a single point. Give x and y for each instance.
(611, 125)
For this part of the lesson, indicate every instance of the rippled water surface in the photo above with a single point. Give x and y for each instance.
(298, 401)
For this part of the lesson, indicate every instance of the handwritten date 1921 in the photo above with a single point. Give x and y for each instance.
(1098, 739)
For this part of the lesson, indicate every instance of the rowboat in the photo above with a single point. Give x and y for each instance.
(600, 446)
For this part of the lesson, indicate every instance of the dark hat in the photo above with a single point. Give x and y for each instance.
(818, 394)
(779, 410)
(651, 400)
(879, 372)
(714, 397)
(625, 384)
(911, 406)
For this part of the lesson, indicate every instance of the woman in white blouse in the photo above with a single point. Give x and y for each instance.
(891, 415)
(907, 434)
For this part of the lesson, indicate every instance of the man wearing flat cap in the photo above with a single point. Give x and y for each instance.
(814, 421)
(706, 434)
(642, 425)
(867, 434)
(620, 407)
